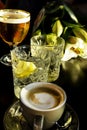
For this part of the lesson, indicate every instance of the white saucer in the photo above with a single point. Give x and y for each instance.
(14, 120)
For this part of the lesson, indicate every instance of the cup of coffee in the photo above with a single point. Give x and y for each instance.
(42, 104)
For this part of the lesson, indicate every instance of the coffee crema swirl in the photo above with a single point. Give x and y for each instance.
(44, 98)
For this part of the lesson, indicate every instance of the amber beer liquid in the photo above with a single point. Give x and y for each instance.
(14, 26)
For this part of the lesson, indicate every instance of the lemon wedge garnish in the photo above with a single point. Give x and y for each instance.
(24, 69)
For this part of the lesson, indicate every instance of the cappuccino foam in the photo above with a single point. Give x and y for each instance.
(44, 98)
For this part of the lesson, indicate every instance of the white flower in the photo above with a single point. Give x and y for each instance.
(75, 50)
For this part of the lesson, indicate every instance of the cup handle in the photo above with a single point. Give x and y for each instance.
(38, 122)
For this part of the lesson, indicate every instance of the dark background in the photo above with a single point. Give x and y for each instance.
(72, 78)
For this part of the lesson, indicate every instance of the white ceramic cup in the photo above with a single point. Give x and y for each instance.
(42, 104)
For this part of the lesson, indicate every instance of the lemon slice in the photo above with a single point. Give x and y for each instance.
(24, 69)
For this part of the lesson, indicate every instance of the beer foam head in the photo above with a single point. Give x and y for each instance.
(14, 16)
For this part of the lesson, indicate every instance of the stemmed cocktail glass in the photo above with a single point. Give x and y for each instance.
(14, 26)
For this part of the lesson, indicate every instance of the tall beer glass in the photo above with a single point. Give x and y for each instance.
(14, 26)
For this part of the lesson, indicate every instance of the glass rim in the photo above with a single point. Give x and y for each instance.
(8, 19)
(36, 40)
(17, 10)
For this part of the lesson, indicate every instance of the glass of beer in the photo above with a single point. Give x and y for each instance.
(14, 26)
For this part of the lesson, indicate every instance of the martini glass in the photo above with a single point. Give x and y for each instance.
(14, 26)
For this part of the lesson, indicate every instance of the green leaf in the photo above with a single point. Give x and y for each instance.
(72, 25)
(81, 33)
(57, 28)
(70, 12)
